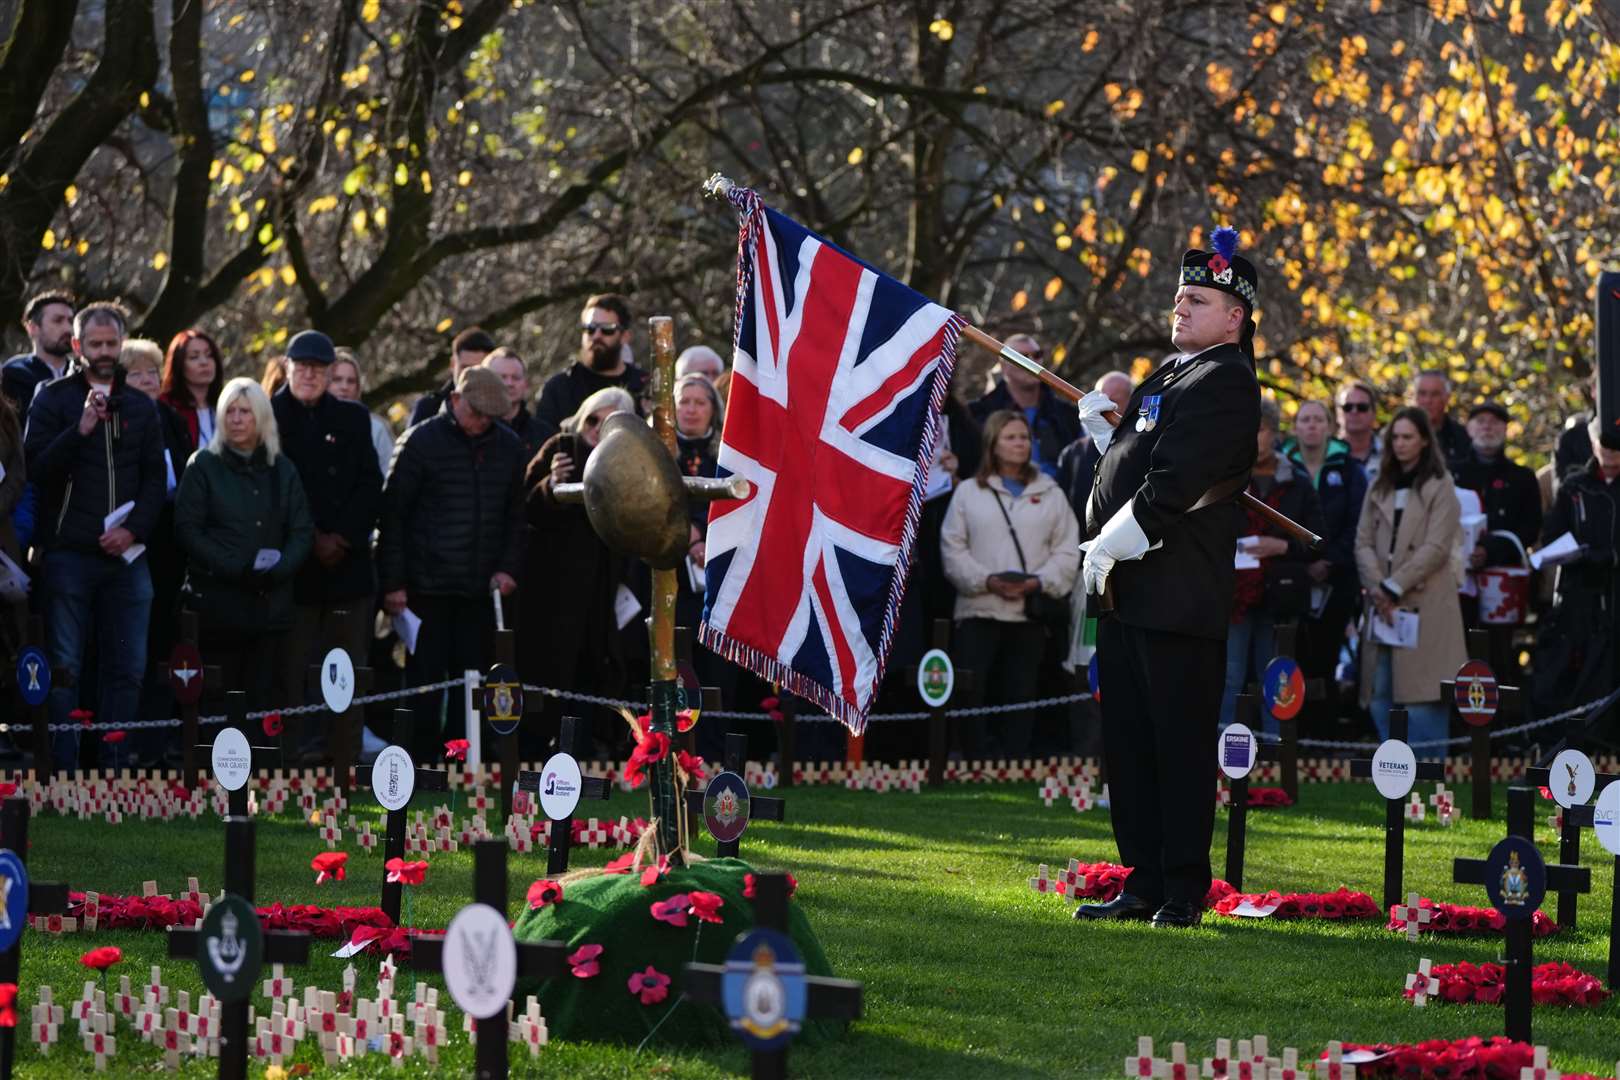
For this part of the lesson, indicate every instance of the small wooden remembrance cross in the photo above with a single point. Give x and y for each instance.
(42, 899)
(279, 947)
(573, 739)
(832, 999)
(1487, 697)
(538, 959)
(1516, 879)
(1569, 836)
(762, 807)
(1395, 809)
(394, 841)
(189, 679)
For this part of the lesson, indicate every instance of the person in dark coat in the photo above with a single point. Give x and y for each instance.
(244, 523)
(94, 452)
(1577, 652)
(1431, 392)
(13, 477)
(1511, 498)
(193, 372)
(1341, 488)
(1277, 586)
(1187, 434)
(514, 375)
(467, 349)
(570, 637)
(604, 361)
(329, 442)
(48, 319)
(1051, 421)
(451, 535)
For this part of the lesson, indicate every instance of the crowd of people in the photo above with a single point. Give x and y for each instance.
(137, 482)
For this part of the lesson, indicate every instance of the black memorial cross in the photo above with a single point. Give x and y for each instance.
(535, 959)
(828, 999)
(1575, 819)
(208, 679)
(760, 807)
(280, 947)
(1519, 952)
(39, 718)
(1479, 744)
(340, 740)
(1247, 711)
(1395, 810)
(1315, 690)
(939, 725)
(236, 802)
(573, 738)
(43, 899)
(394, 839)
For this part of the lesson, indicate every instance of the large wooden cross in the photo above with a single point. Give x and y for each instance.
(1575, 819)
(236, 802)
(280, 947)
(536, 959)
(43, 899)
(1247, 712)
(1520, 956)
(340, 738)
(190, 678)
(1479, 747)
(1394, 810)
(394, 841)
(761, 807)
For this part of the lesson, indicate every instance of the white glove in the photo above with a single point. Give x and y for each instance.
(1092, 407)
(1121, 540)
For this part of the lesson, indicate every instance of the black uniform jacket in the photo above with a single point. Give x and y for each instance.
(1204, 433)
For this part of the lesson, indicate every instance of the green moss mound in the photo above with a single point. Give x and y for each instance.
(613, 911)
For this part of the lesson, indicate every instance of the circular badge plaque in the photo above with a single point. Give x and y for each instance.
(480, 960)
(725, 806)
(185, 673)
(936, 678)
(33, 675)
(1394, 769)
(13, 898)
(559, 786)
(1476, 691)
(1283, 688)
(393, 777)
(763, 989)
(1606, 818)
(503, 699)
(230, 948)
(1238, 750)
(1515, 878)
(1571, 778)
(337, 681)
(232, 758)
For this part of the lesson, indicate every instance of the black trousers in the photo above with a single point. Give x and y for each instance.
(1005, 659)
(456, 634)
(1161, 700)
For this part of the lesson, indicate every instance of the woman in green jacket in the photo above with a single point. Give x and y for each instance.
(244, 523)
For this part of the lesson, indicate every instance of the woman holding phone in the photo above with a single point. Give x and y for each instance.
(1008, 541)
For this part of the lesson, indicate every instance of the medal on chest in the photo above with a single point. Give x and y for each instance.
(1148, 415)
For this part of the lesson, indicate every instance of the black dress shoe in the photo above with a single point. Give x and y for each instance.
(1178, 913)
(1124, 906)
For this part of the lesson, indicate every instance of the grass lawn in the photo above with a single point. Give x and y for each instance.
(968, 973)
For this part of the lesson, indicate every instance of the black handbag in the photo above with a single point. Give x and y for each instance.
(1049, 612)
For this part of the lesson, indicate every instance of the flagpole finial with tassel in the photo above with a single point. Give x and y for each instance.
(717, 184)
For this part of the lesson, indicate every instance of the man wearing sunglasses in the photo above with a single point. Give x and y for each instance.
(604, 361)
(1358, 426)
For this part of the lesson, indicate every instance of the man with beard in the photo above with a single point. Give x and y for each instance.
(49, 322)
(467, 350)
(603, 361)
(1164, 531)
(95, 454)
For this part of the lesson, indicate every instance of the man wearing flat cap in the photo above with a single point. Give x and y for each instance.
(1163, 530)
(451, 534)
(329, 441)
(1511, 500)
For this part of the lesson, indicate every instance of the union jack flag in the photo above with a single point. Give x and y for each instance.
(838, 376)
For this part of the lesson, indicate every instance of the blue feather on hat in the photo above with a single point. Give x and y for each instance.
(1224, 240)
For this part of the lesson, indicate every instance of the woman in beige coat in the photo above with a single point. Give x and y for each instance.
(1405, 554)
(1008, 534)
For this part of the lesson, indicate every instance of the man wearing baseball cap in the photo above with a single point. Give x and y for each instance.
(329, 441)
(451, 535)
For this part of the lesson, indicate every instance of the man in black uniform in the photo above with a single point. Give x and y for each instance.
(1164, 532)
